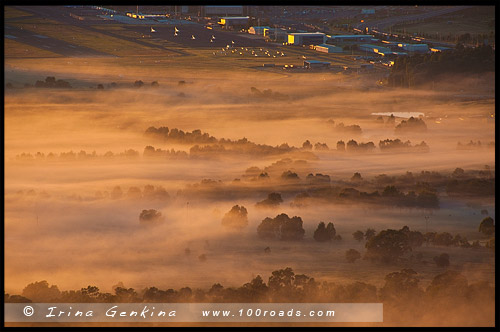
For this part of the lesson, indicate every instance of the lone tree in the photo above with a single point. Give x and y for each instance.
(487, 226)
(388, 246)
(150, 217)
(281, 227)
(307, 145)
(352, 255)
(358, 235)
(272, 200)
(324, 234)
(356, 177)
(236, 218)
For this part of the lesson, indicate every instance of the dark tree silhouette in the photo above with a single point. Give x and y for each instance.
(150, 217)
(370, 232)
(487, 226)
(40, 291)
(356, 177)
(281, 227)
(307, 145)
(358, 235)
(387, 246)
(401, 287)
(272, 200)
(341, 146)
(352, 255)
(324, 234)
(236, 218)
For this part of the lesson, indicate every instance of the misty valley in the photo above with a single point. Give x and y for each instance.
(196, 177)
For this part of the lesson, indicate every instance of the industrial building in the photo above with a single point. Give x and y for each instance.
(276, 34)
(326, 48)
(415, 48)
(258, 30)
(306, 38)
(312, 64)
(374, 49)
(350, 39)
(234, 22)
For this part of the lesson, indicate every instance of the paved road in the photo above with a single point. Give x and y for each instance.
(50, 44)
(163, 32)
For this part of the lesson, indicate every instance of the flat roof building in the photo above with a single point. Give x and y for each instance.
(235, 21)
(311, 64)
(350, 39)
(415, 48)
(259, 30)
(374, 49)
(306, 38)
(326, 48)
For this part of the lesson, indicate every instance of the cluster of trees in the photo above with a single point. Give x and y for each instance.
(350, 129)
(179, 136)
(73, 156)
(236, 218)
(139, 84)
(240, 147)
(278, 168)
(391, 246)
(51, 82)
(353, 146)
(149, 192)
(150, 217)
(213, 145)
(367, 235)
(390, 196)
(318, 180)
(420, 68)
(289, 175)
(398, 145)
(150, 151)
(446, 300)
(268, 94)
(475, 145)
(478, 187)
(281, 227)
(326, 233)
(412, 125)
(272, 200)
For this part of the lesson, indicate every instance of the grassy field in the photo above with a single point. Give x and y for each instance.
(14, 49)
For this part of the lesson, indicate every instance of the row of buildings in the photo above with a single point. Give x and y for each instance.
(337, 43)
